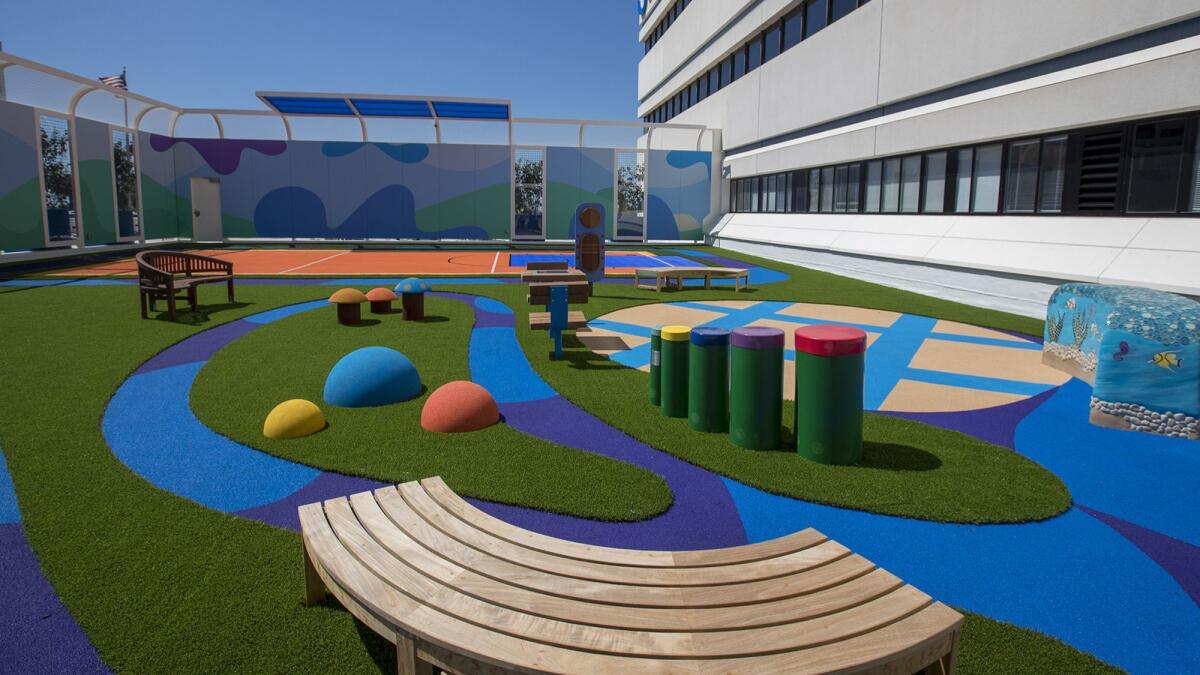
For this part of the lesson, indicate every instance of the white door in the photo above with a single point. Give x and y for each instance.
(206, 209)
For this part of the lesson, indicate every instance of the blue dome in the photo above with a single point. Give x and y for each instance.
(412, 285)
(372, 376)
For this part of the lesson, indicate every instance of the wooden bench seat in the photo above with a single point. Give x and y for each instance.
(460, 590)
(162, 275)
(578, 292)
(662, 276)
(541, 320)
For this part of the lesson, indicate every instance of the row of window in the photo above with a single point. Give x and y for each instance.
(803, 21)
(1139, 168)
(664, 23)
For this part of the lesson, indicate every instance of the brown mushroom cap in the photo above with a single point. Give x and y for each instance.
(348, 296)
(380, 295)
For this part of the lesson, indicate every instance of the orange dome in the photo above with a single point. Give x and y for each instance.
(380, 295)
(347, 296)
(459, 406)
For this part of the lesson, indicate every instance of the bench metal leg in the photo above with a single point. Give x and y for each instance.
(229, 288)
(314, 587)
(407, 662)
(143, 303)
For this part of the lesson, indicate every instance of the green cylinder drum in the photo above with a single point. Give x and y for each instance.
(656, 366)
(756, 387)
(829, 393)
(673, 372)
(708, 380)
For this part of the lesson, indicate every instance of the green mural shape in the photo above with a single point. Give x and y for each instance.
(487, 208)
(21, 226)
(233, 226)
(167, 215)
(97, 205)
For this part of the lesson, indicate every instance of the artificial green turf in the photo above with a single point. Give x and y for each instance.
(290, 359)
(162, 584)
(909, 469)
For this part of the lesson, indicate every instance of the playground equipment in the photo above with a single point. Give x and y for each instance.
(293, 418)
(655, 366)
(459, 407)
(349, 305)
(708, 380)
(372, 376)
(1138, 347)
(829, 393)
(589, 241)
(381, 300)
(756, 387)
(412, 298)
(674, 370)
(556, 289)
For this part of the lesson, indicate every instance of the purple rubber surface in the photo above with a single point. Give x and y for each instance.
(1178, 558)
(37, 634)
(201, 346)
(757, 337)
(283, 514)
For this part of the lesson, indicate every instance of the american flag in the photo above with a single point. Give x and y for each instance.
(117, 81)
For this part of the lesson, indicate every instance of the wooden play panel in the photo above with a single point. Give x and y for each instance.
(914, 364)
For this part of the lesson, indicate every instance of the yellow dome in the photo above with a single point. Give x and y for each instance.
(293, 419)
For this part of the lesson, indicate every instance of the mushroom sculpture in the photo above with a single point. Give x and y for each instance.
(381, 300)
(412, 298)
(348, 301)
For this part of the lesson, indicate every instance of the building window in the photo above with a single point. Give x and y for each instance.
(874, 186)
(1195, 201)
(814, 190)
(793, 28)
(891, 185)
(1156, 163)
(739, 63)
(771, 46)
(726, 71)
(754, 57)
(702, 87)
(816, 15)
(962, 181)
(827, 189)
(852, 188)
(1021, 177)
(769, 194)
(935, 183)
(840, 175)
(986, 198)
(910, 184)
(1054, 163)
(841, 8)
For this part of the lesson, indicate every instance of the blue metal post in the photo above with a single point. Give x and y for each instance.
(558, 317)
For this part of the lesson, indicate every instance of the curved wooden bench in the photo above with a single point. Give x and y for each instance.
(164, 274)
(662, 276)
(460, 590)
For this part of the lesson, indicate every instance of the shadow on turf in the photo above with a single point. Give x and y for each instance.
(579, 357)
(202, 314)
(882, 456)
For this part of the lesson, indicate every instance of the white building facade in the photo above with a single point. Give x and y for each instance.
(975, 150)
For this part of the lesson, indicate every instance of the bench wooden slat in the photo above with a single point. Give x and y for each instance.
(450, 501)
(453, 591)
(791, 563)
(541, 320)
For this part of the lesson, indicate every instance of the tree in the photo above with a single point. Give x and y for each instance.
(56, 169)
(527, 177)
(126, 174)
(631, 188)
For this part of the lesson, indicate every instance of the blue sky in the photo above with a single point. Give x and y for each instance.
(553, 58)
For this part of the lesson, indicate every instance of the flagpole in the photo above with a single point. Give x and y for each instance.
(125, 99)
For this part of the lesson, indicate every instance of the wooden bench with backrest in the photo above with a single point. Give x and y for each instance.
(662, 276)
(164, 274)
(460, 590)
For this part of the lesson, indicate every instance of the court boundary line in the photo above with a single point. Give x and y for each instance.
(310, 264)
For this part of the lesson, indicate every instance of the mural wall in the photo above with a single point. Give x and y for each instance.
(333, 190)
(679, 184)
(21, 225)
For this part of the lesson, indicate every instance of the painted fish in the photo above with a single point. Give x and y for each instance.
(1167, 360)
(1120, 354)
(1070, 303)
